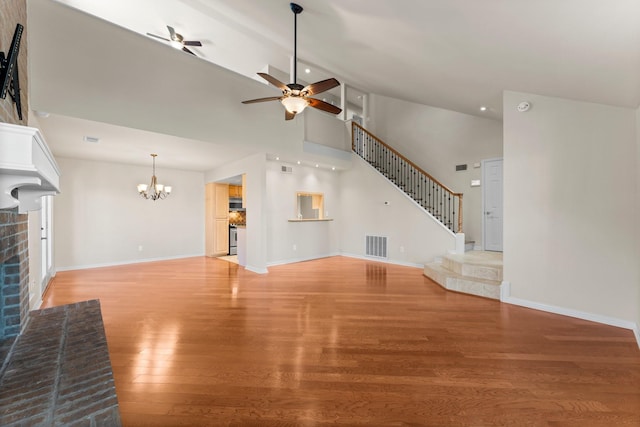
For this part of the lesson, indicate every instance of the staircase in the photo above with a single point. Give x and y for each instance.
(439, 201)
(476, 273)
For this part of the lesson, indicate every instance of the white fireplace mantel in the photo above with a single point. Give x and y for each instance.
(26, 164)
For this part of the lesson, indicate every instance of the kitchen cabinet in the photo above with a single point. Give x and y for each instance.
(235, 191)
(222, 236)
(216, 225)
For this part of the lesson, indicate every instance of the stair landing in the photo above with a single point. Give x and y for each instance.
(475, 272)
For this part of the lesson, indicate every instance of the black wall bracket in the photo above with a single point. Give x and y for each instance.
(9, 71)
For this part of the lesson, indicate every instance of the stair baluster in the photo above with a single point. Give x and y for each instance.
(441, 202)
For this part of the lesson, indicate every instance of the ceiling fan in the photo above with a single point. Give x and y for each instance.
(295, 97)
(177, 41)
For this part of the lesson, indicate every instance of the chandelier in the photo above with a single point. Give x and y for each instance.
(154, 191)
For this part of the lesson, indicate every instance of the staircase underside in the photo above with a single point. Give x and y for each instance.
(476, 273)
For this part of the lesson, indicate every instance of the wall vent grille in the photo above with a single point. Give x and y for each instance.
(376, 246)
(286, 169)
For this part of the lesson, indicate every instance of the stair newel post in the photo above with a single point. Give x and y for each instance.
(459, 213)
(355, 133)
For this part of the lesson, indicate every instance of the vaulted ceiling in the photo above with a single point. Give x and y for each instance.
(92, 62)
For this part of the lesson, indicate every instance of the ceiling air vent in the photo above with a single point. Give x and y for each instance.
(286, 169)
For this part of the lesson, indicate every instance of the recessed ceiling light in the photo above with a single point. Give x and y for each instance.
(277, 158)
(298, 161)
(483, 108)
(92, 139)
(317, 165)
(42, 114)
(333, 168)
(307, 70)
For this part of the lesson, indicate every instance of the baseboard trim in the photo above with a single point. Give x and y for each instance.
(384, 261)
(301, 259)
(505, 296)
(115, 264)
(256, 269)
(348, 255)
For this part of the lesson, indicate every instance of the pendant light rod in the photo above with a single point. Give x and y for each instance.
(296, 9)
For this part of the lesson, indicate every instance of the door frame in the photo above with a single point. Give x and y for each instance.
(46, 243)
(484, 231)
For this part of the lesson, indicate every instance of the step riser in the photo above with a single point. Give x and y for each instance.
(462, 284)
(471, 270)
(473, 288)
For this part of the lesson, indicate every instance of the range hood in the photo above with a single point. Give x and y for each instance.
(26, 165)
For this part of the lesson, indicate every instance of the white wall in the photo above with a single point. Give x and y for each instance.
(326, 129)
(311, 239)
(569, 171)
(413, 237)
(637, 331)
(437, 140)
(101, 220)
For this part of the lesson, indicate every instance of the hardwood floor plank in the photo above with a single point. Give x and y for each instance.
(340, 341)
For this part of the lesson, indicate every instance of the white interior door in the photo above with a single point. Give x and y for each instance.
(492, 204)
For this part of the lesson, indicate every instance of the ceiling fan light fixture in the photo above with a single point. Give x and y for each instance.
(296, 97)
(176, 44)
(294, 104)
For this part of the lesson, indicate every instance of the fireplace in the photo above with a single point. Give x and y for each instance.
(14, 273)
(28, 172)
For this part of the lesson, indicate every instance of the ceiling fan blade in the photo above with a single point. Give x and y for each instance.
(158, 37)
(188, 51)
(172, 32)
(288, 115)
(324, 106)
(321, 86)
(271, 98)
(192, 43)
(277, 83)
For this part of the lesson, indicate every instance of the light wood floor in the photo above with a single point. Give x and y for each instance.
(340, 341)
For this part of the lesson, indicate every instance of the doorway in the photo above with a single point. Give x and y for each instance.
(492, 204)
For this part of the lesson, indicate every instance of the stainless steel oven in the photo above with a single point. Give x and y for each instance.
(233, 240)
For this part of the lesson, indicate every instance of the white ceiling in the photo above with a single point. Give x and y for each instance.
(454, 54)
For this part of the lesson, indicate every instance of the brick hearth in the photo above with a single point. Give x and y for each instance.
(58, 371)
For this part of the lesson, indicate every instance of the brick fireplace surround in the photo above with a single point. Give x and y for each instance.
(55, 367)
(14, 273)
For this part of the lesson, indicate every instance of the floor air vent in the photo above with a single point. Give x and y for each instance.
(376, 246)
